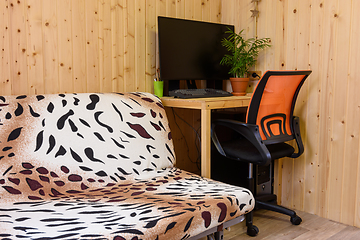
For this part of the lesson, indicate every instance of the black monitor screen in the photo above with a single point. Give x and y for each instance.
(191, 50)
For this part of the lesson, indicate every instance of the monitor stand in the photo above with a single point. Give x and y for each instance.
(191, 84)
(214, 84)
(175, 84)
(170, 86)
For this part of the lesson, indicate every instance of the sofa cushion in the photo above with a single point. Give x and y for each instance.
(174, 205)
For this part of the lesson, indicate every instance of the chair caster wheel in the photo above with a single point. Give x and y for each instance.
(252, 231)
(296, 220)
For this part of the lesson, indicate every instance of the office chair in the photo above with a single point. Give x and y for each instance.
(262, 139)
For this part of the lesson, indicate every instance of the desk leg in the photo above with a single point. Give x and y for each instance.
(205, 143)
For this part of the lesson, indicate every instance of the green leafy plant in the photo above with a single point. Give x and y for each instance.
(243, 52)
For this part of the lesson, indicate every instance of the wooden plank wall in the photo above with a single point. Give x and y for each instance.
(322, 36)
(52, 46)
(110, 45)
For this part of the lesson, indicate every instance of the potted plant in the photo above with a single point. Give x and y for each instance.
(242, 56)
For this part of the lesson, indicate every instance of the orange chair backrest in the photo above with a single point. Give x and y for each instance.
(272, 104)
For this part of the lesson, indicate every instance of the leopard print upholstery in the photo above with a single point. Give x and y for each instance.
(101, 166)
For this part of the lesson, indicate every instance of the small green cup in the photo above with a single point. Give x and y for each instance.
(158, 88)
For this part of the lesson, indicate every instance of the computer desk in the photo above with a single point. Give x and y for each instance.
(206, 105)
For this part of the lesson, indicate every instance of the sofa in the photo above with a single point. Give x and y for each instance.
(102, 166)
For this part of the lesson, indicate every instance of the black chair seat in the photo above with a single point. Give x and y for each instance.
(280, 150)
(243, 150)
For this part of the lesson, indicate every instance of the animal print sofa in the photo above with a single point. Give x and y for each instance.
(101, 166)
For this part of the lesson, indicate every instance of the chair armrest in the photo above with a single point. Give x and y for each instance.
(296, 125)
(249, 131)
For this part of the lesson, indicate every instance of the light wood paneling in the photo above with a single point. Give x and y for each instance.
(321, 36)
(78, 50)
(150, 44)
(92, 45)
(65, 40)
(18, 46)
(312, 151)
(4, 47)
(140, 45)
(5, 50)
(110, 45)
(86, 46)
(105, 45)
(64, 46)
(50, 49)
(36, 73)
(350, 183)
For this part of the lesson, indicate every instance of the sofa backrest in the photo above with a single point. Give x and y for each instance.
(48, 141)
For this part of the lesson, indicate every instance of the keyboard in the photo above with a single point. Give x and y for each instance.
(198, 93)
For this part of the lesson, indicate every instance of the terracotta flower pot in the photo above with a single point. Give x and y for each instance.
(239, 86)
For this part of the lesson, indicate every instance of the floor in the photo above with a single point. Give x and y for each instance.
(275, 226)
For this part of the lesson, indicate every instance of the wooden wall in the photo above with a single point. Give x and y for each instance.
(52, 46)
(322, 36)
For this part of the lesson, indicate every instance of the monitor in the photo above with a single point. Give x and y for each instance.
(191, 50)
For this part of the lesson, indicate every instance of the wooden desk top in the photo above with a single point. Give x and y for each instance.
(207, 103)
